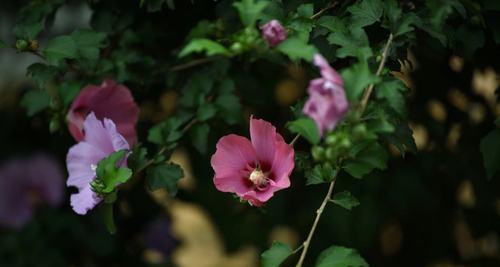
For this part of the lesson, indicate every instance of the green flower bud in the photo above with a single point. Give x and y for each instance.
(21, 45)
(54, 125)
(236, 47)
(331, 139)
(359, 131)
(318, 153)
(332, 154)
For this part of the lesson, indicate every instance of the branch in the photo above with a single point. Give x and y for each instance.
(319, 13)
(369, 90)
(193, 63)
(294, 140)
(319, 212)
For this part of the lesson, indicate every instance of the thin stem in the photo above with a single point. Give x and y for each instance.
(193, 63)
(294, 140)
(368, 92)
(319, 13)
(319, 212)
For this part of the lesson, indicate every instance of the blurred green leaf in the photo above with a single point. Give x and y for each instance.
(138, 159)
(365, 13)
(490, 148)
(164, 176)
(305, 10)
(345, 199)
(206, 111)
(356, 79)
(353, 43)
(371, 157)
(207, 46)
(276, 255)
(229, 108)
(307, 128)
(296, 49)
(337, 256)
(320, 174)
(88, 43)
(41, 74)
(250, 11)
(199, 135)
(35, 101)
(60, 48)
(68, 91)
(168, 131)
(392, 92)
(402, 138)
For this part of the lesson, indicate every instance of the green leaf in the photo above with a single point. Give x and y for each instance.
(320, 174)
(307, 128)
(296, 49)
(365, 12)
(392, 92)
(353, 43)
(402, 138)
(41, 74)
(345, 199)
(337, 256)
(60, 48)
(305, 10)
(68, 91)
(35, 101)
(164, 176)
(88, 43)
(138, 159)
(199, 135)
(169, 131)
(371, 157)
(333, 24)
(405, 24)
(356, 79)
(229, 108)
(490, 148)
(199, 45)
(250, 11)
(276, 255)
(29, 31)
(206, 111)
(110, 174)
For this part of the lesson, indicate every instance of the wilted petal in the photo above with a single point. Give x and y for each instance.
(84, 201)
(327, 71)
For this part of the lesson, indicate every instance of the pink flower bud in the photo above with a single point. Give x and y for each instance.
(273, 32)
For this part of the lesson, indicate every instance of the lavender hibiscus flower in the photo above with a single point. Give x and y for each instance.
(101, 140)
(26, 184)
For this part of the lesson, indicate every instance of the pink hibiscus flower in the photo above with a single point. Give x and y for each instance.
(254, 169)
(273, 32)
(327, 103)
(109, 100)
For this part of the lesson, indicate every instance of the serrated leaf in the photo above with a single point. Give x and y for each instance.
(356, 79)
(199, 135)
(307, 128)
(353, 43)
(168, 131)
(138, 159)
(320, 174)
(207, 46)
(490, 149)
(88, 43)
(276, 255)
(337, 256)
(206, 111)
(296, 49)
(250, 10)
(60, 48)
(29, 31)
(110, 172)
(35, 101)
(333, 24)
(371, 157)
(164, 176)
(41, 73)
(392, 92)
(229, 108)
(365, 12)
(345, 199)
(305, 10)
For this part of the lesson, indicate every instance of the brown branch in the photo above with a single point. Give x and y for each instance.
(319, 212)
(193, 63)
(319, 13)
(369, 90)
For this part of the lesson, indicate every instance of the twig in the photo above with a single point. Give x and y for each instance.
(368, 92)
(294, 140)
(319, 13)
(193, 63)
(319, 212)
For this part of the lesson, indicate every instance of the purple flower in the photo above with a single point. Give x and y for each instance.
(101, 140)
(327, 103)
(27, 183)
(158, 237)
(273, 32)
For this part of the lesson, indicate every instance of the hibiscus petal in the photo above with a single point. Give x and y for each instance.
(119, 142)
(327, 71)
(263, 136)
(80, 159)
(234, 154)
(96, 134)
(283, 165)
(84, 201)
